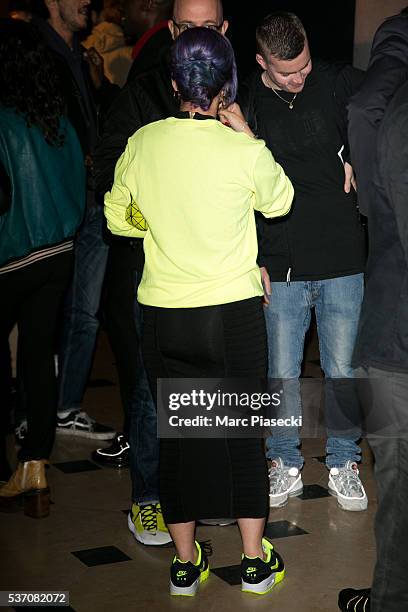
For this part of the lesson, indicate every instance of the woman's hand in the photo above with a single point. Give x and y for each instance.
(233, 117)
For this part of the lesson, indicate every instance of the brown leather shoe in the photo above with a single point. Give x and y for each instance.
(29, 481)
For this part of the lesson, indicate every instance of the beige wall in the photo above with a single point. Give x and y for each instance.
(369, 15)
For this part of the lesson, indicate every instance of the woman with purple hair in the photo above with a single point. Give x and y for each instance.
(189, 185)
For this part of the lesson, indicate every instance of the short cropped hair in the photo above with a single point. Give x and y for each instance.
(203, 64)
(282, 35)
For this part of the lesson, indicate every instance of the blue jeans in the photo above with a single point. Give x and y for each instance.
(81, 324)
(124, 319)
(143, 440)
(337, 304)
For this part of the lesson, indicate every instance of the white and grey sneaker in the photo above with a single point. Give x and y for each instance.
(78, 423)
(284, 482)
(345, 484)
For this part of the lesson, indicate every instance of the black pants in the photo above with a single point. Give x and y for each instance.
(32, 297)
(123, 270)
(209, 478)
(386, 411)
(123, 319)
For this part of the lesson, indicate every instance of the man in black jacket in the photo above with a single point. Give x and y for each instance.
(88, 94)
(145, 98)
(313, 258)
(381, 352)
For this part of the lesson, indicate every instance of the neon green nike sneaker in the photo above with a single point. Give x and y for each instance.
(147, 525)
(185, 576)
(259, 576)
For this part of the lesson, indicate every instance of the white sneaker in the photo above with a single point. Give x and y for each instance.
(284, 482)
(345, 484)
(148, 526)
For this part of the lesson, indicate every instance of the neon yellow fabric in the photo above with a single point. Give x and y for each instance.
(197, 184)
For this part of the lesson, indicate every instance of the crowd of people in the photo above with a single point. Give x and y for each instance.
(204, 220)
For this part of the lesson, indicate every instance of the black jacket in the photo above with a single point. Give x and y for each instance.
(86, 105)
(382, 340)
(143, 100)
(387, 71)
(322, 236)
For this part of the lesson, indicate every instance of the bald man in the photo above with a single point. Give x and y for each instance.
(150, 97)
(146, 98)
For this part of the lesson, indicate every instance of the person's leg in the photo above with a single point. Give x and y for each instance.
(44, 284)
(251, 534)
(123, 317)
(144, 444)
(80, 323)
(287, 319)
(183, 537)
(125, 260)
(338, 305)
(37, 324)
(384, 395)
(389, 591)
(8, 308)
(338, 302)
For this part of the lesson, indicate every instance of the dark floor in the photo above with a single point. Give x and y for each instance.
(324, 547)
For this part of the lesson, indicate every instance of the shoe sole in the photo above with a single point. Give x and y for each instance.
(85, 434)
(139, 538)
(279, 501)
(263, 587)
(351, 505)
(192, 589)
(105, 461)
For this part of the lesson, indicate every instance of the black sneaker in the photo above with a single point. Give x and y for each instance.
(259, 576)
(116, 455)
(353, 600)
(78, 423)
(185, 577)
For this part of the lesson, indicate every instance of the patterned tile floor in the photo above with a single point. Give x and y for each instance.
(84, 547)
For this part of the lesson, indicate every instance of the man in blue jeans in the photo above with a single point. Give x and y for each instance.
(314, 257)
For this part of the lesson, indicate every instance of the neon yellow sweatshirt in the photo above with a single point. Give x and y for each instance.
(197, 184)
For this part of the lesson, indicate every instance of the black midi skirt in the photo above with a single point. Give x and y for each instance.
(209, 478)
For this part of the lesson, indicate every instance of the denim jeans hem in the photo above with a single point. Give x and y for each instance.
(144, 501)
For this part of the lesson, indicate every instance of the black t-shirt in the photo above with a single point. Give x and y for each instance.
(321, 237)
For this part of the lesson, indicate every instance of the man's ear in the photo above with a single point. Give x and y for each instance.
(224, 27)
(261, 61)
(172, 29)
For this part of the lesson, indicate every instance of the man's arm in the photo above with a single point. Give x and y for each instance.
(347, 83)
(365, 113)
(122, 121)
(393, 162)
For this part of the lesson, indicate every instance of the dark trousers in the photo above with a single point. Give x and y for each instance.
(387, 418)
(32, 297)
(123, 319)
